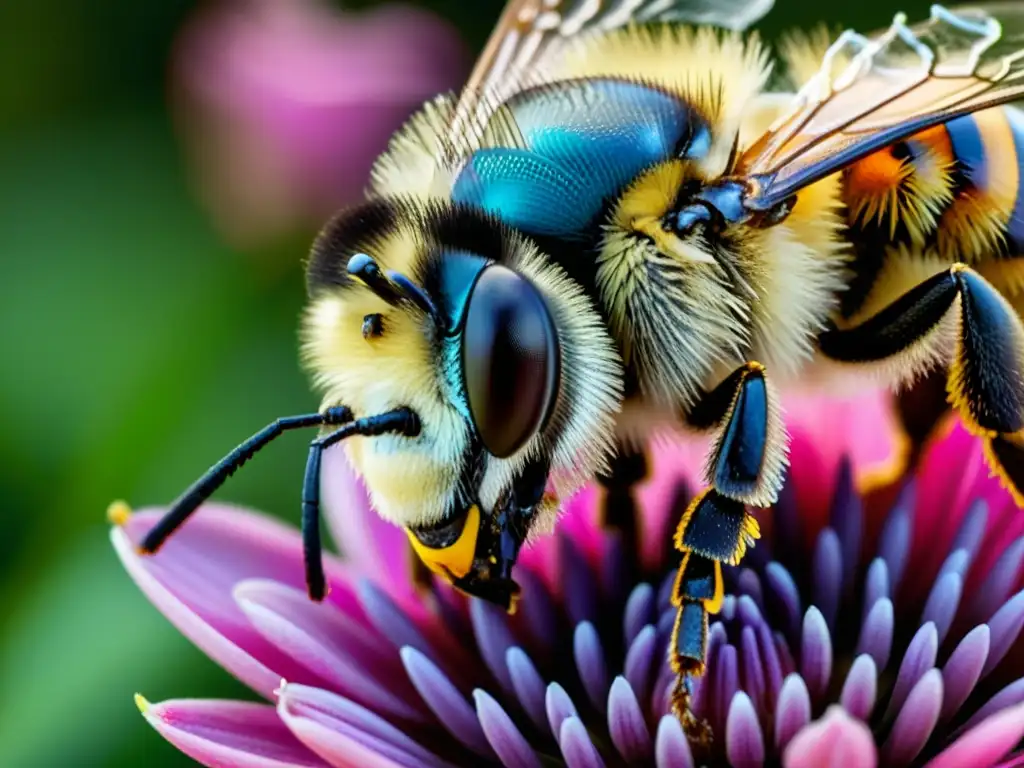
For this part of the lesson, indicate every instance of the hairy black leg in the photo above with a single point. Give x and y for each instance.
(626, 470)
(986, 376)
(746, 466)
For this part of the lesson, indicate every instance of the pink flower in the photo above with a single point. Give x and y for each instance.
(859, 632)
(284, 104)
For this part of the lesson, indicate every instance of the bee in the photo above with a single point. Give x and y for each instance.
(623, 222)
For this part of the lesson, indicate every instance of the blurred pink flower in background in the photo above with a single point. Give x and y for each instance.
(283, 105)
(857, 633)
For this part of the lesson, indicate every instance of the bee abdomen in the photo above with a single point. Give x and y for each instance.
(952, 192)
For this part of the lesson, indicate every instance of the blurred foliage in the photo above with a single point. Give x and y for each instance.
(137, 347)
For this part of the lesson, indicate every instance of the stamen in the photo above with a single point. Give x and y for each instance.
(118, 513)
(142, 703)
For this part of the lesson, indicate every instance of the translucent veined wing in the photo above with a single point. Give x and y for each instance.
(530, 31)
(873, 91)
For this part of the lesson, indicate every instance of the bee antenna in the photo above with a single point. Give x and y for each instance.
(393, 287)
(401, 421)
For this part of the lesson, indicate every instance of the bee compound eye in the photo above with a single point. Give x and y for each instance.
(510, 360)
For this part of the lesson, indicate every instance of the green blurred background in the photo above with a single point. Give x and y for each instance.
(138, 345)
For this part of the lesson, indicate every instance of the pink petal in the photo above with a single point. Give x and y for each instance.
(228, 733)
(192, 578)
(835, 740)
(675, 461)
(824, 428)
(286, 104)
(347, 735)
(985, 743)
(348, 658)
(375, 546)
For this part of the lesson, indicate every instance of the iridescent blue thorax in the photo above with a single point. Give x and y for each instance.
(580, 144)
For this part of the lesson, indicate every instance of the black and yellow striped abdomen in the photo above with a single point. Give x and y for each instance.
(950, 194)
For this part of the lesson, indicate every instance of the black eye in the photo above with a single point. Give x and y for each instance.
(510, 360)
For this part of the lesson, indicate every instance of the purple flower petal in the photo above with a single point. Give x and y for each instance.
(1005, 625)
(508, 743)
(727, 682)
(537, 612)
(942, 603)
(639, 666)
(793, 711)
(626, 723)
(895, 539)
(445, 701)
(834, 740)
(343, 732)
(957, 562)
(971, 532)
(986, 743)
(919, 659)
(748, 611)
(235, 733)
(493, 638)
(390, 620)
(963, 670)
(344, 655)
(577, 748)
(999, 583)
(559, 707)
(744, 741)
(876, 633)
(578, 581)
(748, 584)
(752, 667)
(915, 722)
(191, 578)
(639, 611)
(528, 685)
(785, 655)
(827, 579)
(590, 663)
(663, 601)
(816, 653)
(783, 597)
(671, 747)
(772, 665)
(728, 612)
(847, 520)
(876, 584)
(860, 688)
(1010, 696)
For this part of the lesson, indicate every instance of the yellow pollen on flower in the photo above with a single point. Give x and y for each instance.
(118, 513)
(141, 703)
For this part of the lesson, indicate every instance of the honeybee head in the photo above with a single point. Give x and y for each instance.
(444, 311)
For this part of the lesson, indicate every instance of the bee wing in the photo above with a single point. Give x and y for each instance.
(530, 32)
(873, 91)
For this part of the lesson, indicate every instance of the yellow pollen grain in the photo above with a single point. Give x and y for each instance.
(141, 703)
(118, 513)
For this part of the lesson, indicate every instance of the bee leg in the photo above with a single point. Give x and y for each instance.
(746, 466)
(986, 376)
(627, 469)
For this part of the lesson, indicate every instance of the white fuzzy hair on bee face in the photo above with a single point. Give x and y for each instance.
(412, 481)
